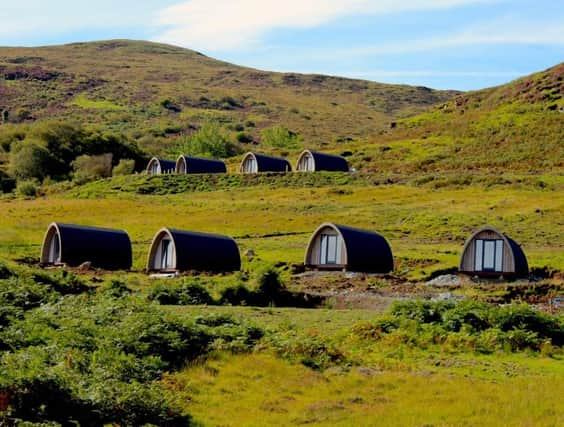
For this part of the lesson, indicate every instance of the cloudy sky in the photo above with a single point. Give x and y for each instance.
(457, 44)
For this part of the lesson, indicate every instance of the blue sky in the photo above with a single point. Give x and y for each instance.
(454, 44)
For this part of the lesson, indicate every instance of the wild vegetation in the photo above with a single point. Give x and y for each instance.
(93, 347)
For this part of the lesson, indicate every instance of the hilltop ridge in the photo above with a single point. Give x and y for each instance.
(143, 87)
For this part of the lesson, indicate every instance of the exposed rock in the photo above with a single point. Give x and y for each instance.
(445, 280)
(85, 266)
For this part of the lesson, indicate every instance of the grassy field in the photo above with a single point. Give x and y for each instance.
(426, 183)
(425, 226)
(387, 385)
(263, 390)
(156, 93)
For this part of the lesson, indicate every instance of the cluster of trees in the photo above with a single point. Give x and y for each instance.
(59, 151)
(56, 151)
(211, 140)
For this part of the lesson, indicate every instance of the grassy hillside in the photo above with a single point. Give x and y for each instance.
(119, 348)
(517, 127)
(156, 92)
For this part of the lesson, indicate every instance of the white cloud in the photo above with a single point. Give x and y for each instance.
(432, 73)
(227, 24)
(498, 32)
(21, 19)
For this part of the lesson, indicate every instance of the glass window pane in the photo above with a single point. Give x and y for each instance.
(478, 255)
(489, 255)
(499, 255)
(164, 253)
(323, 254)
(331, 249)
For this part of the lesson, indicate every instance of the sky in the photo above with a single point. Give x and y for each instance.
(444, 44)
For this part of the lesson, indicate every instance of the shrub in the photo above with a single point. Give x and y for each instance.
(279, 137)
(7, 183)
(124, 167)
(5, 272)
(472, 325)
(116, 289)
(27, 188)
(236, 295)
(186, 293)
(244, 138)
(30, 159)
(88, 168)
(209, 141)
(93, 359)
(269, 285)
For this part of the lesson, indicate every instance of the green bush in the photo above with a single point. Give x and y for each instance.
(7, 183)
(279, 137)
(186, 293)
(466, 325)
(28, 188)
(5, 272)
(124, 167)
(96, 359)
(87, 168)
(209, 141)
(269, 286)
(236, 295)
(30, 159)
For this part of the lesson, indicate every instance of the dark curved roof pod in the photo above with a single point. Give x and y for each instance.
(311, 161)
(339, 247)
(490, 253)
(158, 166)
(178, 250)
(188, 165)
(73, 245)
(255, 163)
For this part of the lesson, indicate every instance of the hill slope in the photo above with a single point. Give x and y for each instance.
(153, 89)
(516, 127)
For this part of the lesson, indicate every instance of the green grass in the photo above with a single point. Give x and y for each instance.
(125, 86)
(83, 102)
(262, 390)
(425, 226)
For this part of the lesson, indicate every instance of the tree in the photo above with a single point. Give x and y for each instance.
(30, 159)
(124, 167)
(279, 137)
(209, 141)
(92, 167)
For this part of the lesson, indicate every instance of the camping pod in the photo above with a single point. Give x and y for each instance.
(187, 165)
(489, 252)
(312, 161)
(338, 247)
(178, 250)
(255, 163)
(160, 166)
(74, 245)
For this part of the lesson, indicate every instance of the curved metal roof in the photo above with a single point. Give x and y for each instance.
(326, 162)
(519, 258)
(104, 247)
(200, 165)
(268, 163)
(201, 251)
(166, 165)
(367, 251)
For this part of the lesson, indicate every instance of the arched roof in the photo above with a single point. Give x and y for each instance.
(166, 165)
(520, 260)
(268, 163)
(200, 251)
(367, 251)
(199, 165)
(325, 162)
(104, 247)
